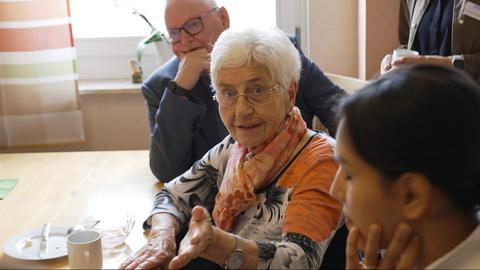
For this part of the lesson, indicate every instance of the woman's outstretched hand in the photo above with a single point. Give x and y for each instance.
(157, 253)
(401, 253)
(199, 237)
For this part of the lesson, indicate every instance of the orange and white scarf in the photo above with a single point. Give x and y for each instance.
(243, 176)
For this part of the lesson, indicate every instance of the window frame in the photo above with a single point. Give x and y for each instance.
(108, 58)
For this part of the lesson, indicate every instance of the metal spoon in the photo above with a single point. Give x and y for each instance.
(75, 228)
(83, 226)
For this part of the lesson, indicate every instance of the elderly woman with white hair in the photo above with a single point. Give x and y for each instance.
(258, 199)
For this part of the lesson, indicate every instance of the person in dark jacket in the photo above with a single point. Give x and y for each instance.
(444, 32)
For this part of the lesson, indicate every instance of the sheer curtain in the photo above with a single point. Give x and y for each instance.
(38, 77)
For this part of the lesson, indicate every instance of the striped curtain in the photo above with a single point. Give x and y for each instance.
(38, 77)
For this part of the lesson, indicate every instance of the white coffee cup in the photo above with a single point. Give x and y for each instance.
(402, 52)
(85, 250)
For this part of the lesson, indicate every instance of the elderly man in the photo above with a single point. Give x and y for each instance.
(184, 119)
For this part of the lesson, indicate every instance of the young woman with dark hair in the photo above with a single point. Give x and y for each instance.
(409, 149)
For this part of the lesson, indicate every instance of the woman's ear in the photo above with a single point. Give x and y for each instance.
(292, 93)
(415, 191)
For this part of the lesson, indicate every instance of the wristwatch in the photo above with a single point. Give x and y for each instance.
(178, 90)
(236, 258)
(457, 62)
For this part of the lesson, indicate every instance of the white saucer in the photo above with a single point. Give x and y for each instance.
(27, 244)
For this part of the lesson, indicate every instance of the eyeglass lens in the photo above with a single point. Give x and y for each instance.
(192, 27)
(255, 95)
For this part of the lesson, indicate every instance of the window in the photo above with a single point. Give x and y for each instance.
(106, 32)
(89, 16)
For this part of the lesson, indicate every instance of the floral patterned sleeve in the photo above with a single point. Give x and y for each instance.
(296, 251)
(197, 186)
(311, 216)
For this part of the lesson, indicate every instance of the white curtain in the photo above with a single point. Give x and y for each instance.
(38, 78)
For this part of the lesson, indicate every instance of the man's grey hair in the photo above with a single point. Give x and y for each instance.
(269, 48)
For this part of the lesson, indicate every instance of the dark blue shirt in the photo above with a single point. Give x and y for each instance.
(434, 32)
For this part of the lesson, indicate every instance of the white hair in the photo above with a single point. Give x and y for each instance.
(266, 47)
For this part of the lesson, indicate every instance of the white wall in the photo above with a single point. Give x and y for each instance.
(114, 120)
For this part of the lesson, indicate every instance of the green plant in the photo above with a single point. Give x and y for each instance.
(154, 36)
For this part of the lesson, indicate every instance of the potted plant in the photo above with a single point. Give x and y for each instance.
(156, 37)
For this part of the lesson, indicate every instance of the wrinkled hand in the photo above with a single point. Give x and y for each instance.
(401, 253)
(198, 238)
(423, 59)
(191, 66)
(158, 252)
(386, 64)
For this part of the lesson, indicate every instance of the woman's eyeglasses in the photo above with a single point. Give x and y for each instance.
(192, 27)
(254, 95)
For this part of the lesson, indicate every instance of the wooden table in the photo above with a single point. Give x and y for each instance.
(63, 188)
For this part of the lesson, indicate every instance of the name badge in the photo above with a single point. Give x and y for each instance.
(472, 10)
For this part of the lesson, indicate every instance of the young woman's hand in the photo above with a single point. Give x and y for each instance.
(401, 253)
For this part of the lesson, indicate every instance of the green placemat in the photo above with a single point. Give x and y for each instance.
(6, 185)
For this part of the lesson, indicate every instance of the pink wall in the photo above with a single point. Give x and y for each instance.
(350, 37)
(333, 35)
(381, 32)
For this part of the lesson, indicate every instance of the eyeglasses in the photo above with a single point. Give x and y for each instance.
(254, 95)
(192, 27)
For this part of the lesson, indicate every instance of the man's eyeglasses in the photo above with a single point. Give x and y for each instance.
(192, 27)
(254, 95)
